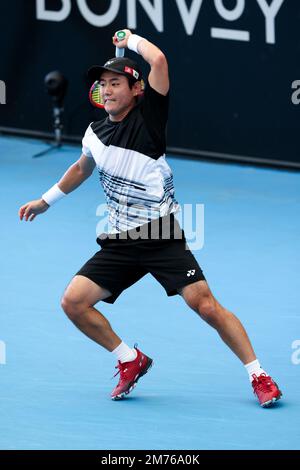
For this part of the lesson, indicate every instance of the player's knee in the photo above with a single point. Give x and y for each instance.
(72, 307)
(207, 309)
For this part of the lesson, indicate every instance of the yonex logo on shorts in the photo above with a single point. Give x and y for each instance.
(2, 353)
(2, 92)
(191, 272)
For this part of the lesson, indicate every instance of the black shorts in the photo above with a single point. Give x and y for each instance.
(121, 263)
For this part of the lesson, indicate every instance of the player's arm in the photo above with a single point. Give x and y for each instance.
(74, 176)
(159, 75)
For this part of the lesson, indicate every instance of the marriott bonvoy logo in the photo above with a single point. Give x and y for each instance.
(189, 13)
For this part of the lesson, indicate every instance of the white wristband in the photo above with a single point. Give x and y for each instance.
(53, 195)
(133, 41)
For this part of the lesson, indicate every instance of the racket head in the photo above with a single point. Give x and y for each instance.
(95, 95)
(142, 87)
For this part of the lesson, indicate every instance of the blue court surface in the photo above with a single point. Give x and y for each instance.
(55, 382)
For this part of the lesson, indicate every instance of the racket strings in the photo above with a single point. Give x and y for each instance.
(95, 94)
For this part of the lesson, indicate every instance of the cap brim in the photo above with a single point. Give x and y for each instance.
(95, 72)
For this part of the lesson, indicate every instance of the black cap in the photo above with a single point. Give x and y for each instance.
(121, 65)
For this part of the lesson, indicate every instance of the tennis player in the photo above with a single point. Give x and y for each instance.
(128, 148)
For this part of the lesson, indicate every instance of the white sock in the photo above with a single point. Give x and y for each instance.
(254, 367)
(124, 353)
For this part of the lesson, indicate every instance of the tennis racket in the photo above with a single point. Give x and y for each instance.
(94, 94)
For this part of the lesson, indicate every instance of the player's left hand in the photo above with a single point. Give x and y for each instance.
(117, 41)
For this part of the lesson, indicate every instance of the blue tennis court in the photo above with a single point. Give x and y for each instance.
(55, 383)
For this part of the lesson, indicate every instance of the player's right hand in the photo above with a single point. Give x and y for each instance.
(30, 210)
(121, 43)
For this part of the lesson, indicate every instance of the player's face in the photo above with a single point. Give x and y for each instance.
(117, 96)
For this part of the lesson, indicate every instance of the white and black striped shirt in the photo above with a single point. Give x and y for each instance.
(130, 158)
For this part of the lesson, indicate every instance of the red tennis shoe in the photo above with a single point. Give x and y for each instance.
(130, 372)
(265, 389)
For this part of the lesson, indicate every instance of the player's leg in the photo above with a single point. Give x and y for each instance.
(116, 269)
(198, 296)
(177, 270)
(78, 303)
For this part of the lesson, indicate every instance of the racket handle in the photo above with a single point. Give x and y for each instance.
(120, 52)
(120, 35)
